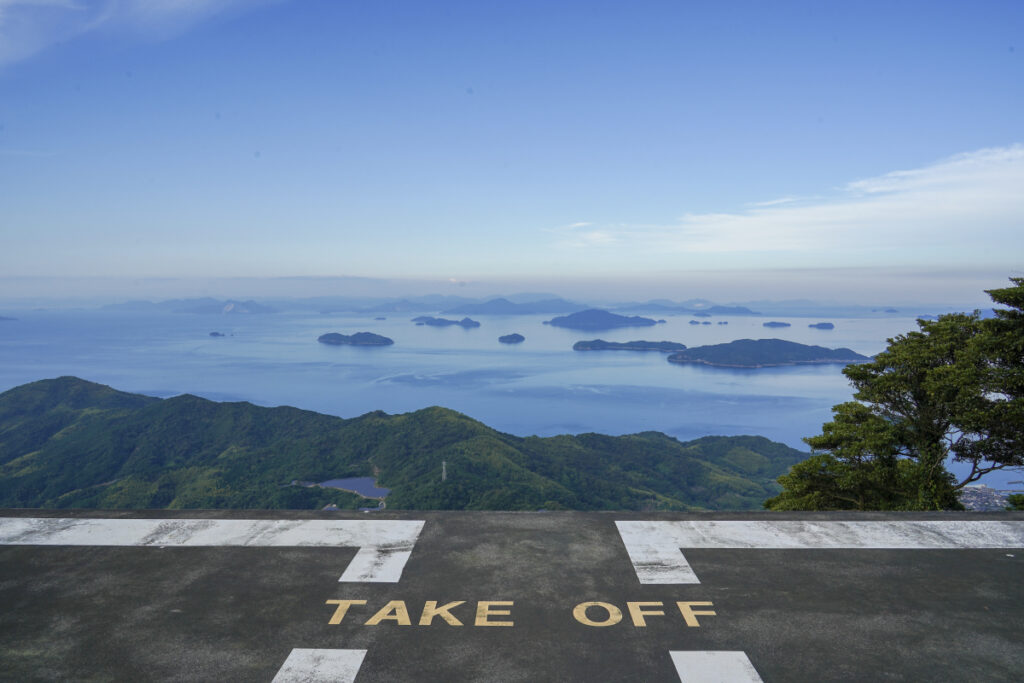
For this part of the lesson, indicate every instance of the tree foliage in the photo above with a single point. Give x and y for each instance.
(954, 388)
(70, 443)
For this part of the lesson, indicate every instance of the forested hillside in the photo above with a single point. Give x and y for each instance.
(71, 443)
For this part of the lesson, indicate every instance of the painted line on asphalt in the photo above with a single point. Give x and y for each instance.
(320, 666)
(714, 666)
(384, 545)
(655, 548)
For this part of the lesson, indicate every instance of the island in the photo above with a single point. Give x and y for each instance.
(775, 323)
(602, 345)
(357, 339)
(216, 334)
(444, 322)
(695, 322)
(514, 338)
(723, 322)
(2, 317)
(822, 326)
(597, 319)
(764, 353)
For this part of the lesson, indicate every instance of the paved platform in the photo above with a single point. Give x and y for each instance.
(488, 596)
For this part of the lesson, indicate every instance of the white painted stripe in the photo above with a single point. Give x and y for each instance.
(384, 545)
(655, 547)
(714, 666)
(320, 666)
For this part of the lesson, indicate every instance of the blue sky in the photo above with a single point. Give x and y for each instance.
(836, 149)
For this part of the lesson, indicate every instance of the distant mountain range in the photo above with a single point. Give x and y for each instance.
(503, 306)
(71, 443)
(512, 304)
(203, 306)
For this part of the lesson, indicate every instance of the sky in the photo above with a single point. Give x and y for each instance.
(730, 150)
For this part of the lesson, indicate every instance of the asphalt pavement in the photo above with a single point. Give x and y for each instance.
(492, 596)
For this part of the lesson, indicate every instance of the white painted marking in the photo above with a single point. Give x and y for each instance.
(384, 545)
(714, 666)
(655, 547)
(320, 666)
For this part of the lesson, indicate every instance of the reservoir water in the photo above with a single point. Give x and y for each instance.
(540, 386)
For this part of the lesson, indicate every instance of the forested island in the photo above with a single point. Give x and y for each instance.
(764, 353)
(514, 338)
(444, 322)
(822, 326)
(602, 345)
(598, 319)
(775, 323)
(357, 339)
(71, 443)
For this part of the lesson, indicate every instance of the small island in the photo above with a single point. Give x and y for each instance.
(357, 339)
(775, 323)
(602, 345)
(216, 334)
(822, 326)
(514, 338)
(597, 319)
(764, 353)
(444, 322)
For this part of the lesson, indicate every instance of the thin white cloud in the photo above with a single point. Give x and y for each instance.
(28, 27)
(775, 202)
(962, 203)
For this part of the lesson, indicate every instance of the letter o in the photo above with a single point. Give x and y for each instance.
(580, 613)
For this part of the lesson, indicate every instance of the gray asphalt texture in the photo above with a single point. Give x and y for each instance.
(235, 613)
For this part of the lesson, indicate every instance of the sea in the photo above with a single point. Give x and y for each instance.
(538, 387)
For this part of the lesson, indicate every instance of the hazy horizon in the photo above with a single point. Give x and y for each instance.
(849, 287)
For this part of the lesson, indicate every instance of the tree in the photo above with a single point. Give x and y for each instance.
(954, 388)
(1000, 418)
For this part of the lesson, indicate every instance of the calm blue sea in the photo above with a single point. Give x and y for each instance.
(539, 387)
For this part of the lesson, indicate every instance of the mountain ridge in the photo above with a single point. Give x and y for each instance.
(72, 443)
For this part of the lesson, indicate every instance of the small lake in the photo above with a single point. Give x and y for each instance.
(364, 486)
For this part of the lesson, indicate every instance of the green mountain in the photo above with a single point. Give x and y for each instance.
(71, 443)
